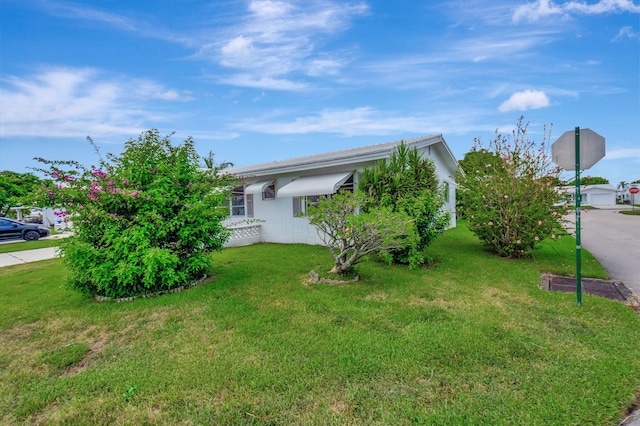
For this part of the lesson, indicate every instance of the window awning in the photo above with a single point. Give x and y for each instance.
(258, 187)
(314, 185)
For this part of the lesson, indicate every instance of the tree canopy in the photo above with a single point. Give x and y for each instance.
(14, 188)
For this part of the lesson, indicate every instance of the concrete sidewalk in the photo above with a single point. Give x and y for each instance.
(26, 256)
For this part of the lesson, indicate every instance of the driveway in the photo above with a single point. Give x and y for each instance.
(614, 239)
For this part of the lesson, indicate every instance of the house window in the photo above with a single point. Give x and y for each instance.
(237, 202)
(269, 192)
(347, 185)
(249, 205)
(583, 198)
(302, 204)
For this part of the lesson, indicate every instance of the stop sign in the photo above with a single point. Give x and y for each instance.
(634, 190)
(563, 151)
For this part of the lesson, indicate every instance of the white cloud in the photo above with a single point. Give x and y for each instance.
(544, 8)
(522, 101)
(276, 39)
(75, 102)
(261, 82)
(70, 10)
(623, 153)
(363, 121)
(626, 32)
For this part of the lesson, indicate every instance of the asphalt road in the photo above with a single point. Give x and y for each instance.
(614, 239)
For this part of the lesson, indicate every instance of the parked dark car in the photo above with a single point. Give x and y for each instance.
(27, 231)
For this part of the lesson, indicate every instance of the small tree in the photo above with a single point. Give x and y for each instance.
(14, 188)
(509, 196)
(350, 233)
(591, 180)
(144, 221)
(407, 183)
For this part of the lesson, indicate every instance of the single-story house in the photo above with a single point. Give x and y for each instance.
(271, 204)
(594, 195)
(626, 197)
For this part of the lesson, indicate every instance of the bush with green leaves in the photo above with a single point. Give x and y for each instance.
(407, 183)
(351, 233)
(14, 189)
(144, 221)
(508, 193)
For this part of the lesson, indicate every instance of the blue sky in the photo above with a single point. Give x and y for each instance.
(262, 80)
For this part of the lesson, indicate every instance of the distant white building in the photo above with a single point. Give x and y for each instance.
(594, 195)
(271, 205)
(626, 197)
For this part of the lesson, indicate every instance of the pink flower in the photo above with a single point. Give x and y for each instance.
(554, 214)
(537, 239)
(488, 165)
(490, 223)
(148, 197)
(539, 222)
(506, 196)
(190, 184)
(113, 214)
(553, 236)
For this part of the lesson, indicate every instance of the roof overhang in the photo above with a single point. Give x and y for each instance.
(314, 185)
(258, 187)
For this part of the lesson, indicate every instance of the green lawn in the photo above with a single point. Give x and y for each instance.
(471, 341)
(27, 245)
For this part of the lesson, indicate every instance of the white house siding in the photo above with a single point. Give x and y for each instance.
(603, 199)
(276, 217)
(595, 195)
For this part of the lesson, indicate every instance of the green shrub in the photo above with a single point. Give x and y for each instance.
(509, 196)
(144, 221)
(407, 183)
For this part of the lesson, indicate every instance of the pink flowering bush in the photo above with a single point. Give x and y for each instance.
(144, 221)
(508, 193)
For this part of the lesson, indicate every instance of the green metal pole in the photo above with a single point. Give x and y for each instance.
(578, 242)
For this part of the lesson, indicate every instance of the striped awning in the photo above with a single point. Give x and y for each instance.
(258, 187)
(314, 185)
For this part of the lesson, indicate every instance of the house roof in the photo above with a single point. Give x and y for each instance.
(346, 156)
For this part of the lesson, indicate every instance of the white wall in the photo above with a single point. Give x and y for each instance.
(278, 224)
